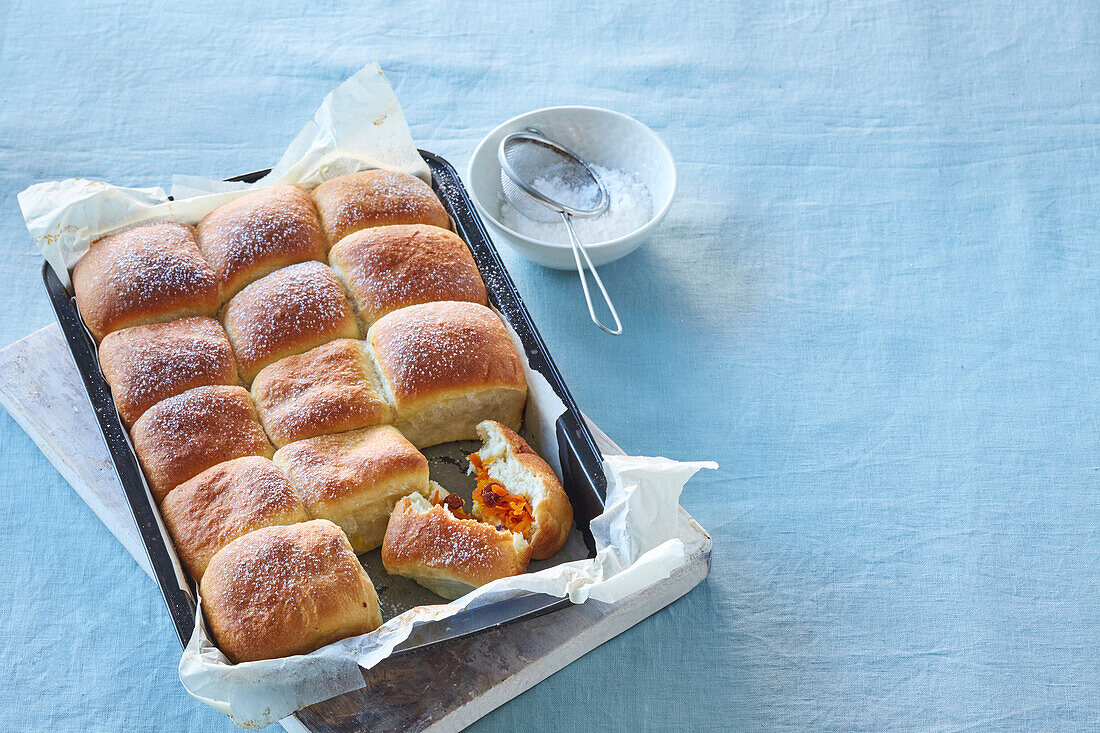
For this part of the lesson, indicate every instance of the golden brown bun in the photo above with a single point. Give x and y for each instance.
(287, 590)
(146, 364)
(373, 199)
(448, 366)
(257, 234)
(285, 313)
(447, 555)
(182, 436)
(148, 274)
(513, 462)
(206, 513)
(355, 478)
(386, 268)
(330, 389)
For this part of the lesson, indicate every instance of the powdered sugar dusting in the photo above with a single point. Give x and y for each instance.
(226, 501)
(437, 539)
(141, 275)
(249, 487)
(301, 305)
(285, 568)
(325, 390)
(391, 267)
(182, 415)
(268, 226)
(150, 260)
(631, 206)
(377, 197)
(361, 462)
(452, 344)
(147, 364)
(184, 435)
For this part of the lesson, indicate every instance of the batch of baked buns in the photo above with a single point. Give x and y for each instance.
(279, 365)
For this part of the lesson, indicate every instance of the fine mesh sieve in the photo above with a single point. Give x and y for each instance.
(528, 162)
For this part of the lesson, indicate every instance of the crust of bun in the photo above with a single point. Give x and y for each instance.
(391, 267)
(290, 311)
(355, 478)
(257, 233)
(447, 555)
(287, 590)
(147, 364)
(148, 274)
(182, 436)
(330, 389)
(446, 367)
(376, 198)
(510, 459)
(207, 512)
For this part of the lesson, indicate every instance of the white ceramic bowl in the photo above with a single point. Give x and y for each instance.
(600, 136)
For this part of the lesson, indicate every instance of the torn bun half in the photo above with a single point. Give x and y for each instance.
(428, 542)
(518, 489)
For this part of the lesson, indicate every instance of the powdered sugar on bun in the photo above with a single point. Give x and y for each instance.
(376, 198)
(285, 313)
(287, 590)
(146, 364)
(330, 389)
(182, 436)
(448, 366)
(258, 233)
(222, 503)
(444, 346)
(391, 267)
(447, 555)
(148, 274)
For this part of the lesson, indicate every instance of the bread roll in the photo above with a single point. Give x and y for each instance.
(182, 436)
(447, 555)
(148, 274)
(146, 364)
(285, 313)
(287, 590)
(376, 198)
(386, 268)
(519, 490)
(446, 367)
(330, 389)
(207, 512)
(258, 233)
(355, 478)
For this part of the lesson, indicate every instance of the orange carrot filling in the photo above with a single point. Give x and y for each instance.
(496, 504)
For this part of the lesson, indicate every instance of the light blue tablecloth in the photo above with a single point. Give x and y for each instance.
(874, 303)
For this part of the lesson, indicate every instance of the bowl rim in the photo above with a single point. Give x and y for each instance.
(639, 232)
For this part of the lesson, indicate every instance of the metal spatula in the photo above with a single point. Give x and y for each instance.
(528, 158)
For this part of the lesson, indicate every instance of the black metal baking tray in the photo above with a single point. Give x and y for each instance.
(581, 462)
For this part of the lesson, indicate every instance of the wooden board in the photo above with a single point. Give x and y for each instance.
(41, 389)
(470, 677)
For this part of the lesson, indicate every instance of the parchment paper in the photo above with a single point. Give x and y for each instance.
(360, 126)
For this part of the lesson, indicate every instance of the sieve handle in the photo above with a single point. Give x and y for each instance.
(578, 250)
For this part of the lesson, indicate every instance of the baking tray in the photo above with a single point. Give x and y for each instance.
(581, 461)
